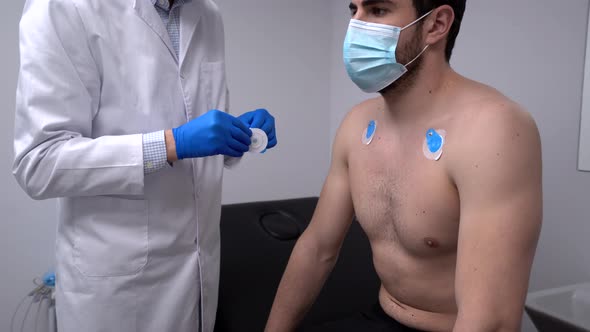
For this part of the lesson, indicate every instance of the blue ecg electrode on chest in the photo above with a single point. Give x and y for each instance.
(434, 143)
(369, 132)
(432, 147)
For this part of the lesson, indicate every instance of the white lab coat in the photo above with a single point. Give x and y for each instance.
(134, 252)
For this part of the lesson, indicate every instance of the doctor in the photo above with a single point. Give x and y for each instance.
(121, 115)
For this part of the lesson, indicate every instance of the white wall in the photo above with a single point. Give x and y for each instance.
(27, 230)
(277, 55)
(533, 51)
(584, 146)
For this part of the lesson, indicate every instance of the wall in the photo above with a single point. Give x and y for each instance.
(277, 57)
(27, 230)
(535, 55)
(533, 51)
(584, 146)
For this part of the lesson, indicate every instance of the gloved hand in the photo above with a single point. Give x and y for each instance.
(213, 133)
(261, 119)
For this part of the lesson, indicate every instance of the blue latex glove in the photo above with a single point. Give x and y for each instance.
(213, 133)
(261, 119)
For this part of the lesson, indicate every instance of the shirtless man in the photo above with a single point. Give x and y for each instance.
(453, 235)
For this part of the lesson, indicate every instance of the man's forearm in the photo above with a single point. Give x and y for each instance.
(302, 281)
(477, 328)
(486, 324)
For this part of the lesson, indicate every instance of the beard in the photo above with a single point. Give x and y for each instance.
(405, 55)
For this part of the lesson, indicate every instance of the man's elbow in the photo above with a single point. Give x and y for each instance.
(505, 326)
(310, 246)
(483, 327)
(32, 183)
(34, 192)
(488, 324)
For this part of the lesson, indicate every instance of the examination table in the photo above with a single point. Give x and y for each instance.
(256, 242)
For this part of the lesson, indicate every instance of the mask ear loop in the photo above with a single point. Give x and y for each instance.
(417, 56)
(425, 47)
(417, 20)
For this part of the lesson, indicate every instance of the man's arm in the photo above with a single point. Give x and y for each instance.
(498, 175)
(317, 250)
(57, 97)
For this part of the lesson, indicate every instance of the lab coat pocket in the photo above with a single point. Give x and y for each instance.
(216, 88)
(111, 236)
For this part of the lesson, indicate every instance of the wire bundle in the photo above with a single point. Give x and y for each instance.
(42, 302)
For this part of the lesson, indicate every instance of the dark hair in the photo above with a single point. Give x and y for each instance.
(424, 6)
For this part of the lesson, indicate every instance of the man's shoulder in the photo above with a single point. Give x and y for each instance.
(355, 121)
(491, 125)
(363, 112)
(483, 109)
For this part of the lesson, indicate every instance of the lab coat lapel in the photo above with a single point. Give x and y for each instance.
(190, 15)
(145, 9)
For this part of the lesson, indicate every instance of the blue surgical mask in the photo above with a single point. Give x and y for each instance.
(369, 54)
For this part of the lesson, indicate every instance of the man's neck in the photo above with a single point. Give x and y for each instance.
(409, 102)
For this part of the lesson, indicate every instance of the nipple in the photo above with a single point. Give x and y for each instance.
(432, 243)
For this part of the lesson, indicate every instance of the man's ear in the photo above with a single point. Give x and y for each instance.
(438, 24)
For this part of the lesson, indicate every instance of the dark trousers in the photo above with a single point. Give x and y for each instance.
(374, 320)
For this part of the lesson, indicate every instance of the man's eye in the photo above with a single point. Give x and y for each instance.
(353, 12)
(379, 11)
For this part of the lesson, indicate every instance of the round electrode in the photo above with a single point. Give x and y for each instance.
(434, 143)
(369, 132)
(259, 140)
